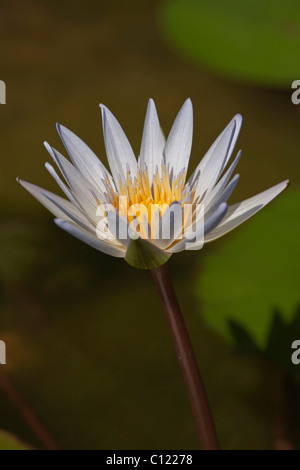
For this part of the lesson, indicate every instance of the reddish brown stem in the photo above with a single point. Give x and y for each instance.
(187, 360)
(7, 386)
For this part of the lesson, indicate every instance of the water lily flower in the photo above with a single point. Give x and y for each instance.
(146, 209)
(99, 203)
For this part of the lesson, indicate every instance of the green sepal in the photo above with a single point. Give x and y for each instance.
(142, 254)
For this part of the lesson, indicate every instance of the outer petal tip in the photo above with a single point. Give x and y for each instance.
(48, 148)
(103, 114)
(58, 128)
(282, 185)
(23, 183)
(223, 206)
(104, 109)
(62, 131)
(48, 166)
(188, 104)
(59, 222)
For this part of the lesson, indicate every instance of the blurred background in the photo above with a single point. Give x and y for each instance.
(88, 347)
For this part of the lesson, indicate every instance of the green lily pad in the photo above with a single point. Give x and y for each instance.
(255, 42)
(254, 272)
(278, 346)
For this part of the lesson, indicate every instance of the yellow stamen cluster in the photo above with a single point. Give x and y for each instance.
(138, 199)
(165, 189)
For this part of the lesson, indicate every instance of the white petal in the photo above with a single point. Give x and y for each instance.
(152, 145)
(220, 151)
(179, 142)
(82, 189)
(83, 157)
(41, 195)
(60, 183)
(238, 213)
(224, 196)
(118, 149)
(214, 220)
(204, 228)
(216, 192)
(118, 227)
(71, 212)
(214, 168)
(89, 239)
(170, 226)
(163, 138)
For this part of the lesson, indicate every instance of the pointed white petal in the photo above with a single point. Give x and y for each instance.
(152, 145)
(42, 196)
(89, 239)
(224, 196)
(170, 226)
(118, 149)
(204, 228)
(163, 138)
(82, 189)
(236, 122)
(179, 142)
(213, 170)
(118, 227)
(214, 195)
(83, 157)
(60, 183)
(223, 145)
(213, 221)
(238, 213)
(70, 211)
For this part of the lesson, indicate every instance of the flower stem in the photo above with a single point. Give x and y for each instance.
(187, 360)
(33, 422)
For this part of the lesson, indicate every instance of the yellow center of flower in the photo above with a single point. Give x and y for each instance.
(138, 199)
